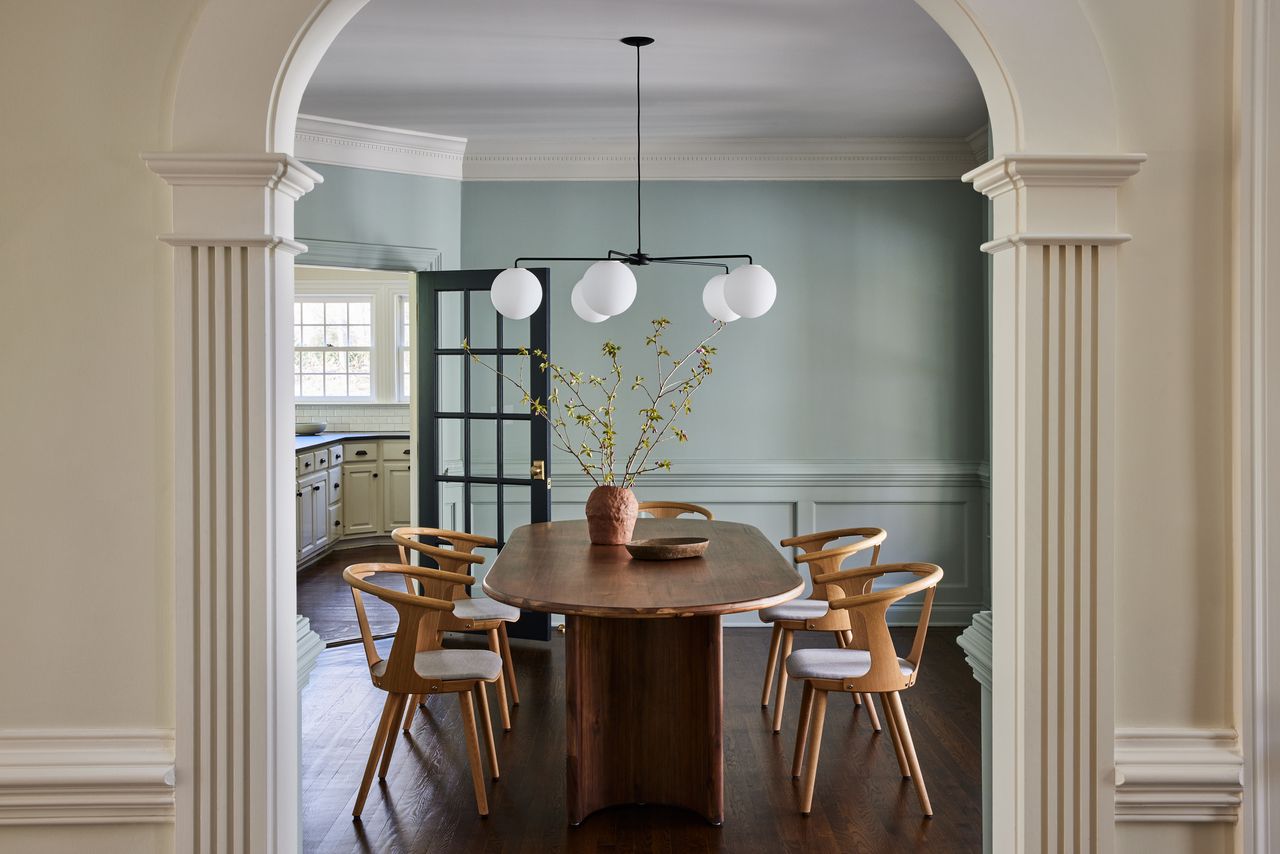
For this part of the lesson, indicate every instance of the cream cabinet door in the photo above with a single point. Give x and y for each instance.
(310, 535)
(361, 498)
(395, 494)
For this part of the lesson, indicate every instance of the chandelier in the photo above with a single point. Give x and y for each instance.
(608, 287)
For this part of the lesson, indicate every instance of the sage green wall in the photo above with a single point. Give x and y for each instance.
(382, 208)
(875, 348)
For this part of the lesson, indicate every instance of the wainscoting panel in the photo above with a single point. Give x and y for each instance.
(934, 511)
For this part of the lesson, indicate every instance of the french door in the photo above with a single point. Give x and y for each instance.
(487, 458)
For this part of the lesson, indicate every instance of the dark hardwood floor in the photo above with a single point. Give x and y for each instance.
(325, 599)
(426, 804)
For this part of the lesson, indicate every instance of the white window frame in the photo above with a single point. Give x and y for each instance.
(404, 345)
(384, 362)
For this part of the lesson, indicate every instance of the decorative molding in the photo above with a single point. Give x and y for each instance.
(979, 141)
(310, 645)
(94, 776)
(1016, 171)
(368, 256)
(281, 172)
(1009, 241)
(808, 473)
(342, 143)
(976, 643)
(1178, 775)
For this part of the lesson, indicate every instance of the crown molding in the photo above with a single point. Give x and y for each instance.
(979, 141)
(281, 172)
(1178, 775)
(1015, 171)
(57, 776)
(341, 143)
(720, 160)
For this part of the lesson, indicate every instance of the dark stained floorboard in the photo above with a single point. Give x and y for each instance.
(861, 802)
(325, 599)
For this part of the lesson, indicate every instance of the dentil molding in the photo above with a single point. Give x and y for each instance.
(342, 143)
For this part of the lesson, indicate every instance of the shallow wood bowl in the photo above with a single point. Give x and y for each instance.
(667, 548)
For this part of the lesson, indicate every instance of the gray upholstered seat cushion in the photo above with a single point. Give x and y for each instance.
(480, 609)
(835, 664)
(796, 609)
(448, 665)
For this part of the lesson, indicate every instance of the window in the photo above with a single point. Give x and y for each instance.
(351, 336)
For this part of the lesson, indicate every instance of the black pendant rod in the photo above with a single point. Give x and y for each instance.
(638, 42)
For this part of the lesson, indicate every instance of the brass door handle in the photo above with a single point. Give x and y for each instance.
(538, 470)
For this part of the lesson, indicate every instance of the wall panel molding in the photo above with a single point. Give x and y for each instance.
(1178, 775)
(91, 776)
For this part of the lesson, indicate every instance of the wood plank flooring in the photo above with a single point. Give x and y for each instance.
(325, 599)
(426, 804)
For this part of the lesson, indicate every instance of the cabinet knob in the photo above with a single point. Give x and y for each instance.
(375, 474)
(337, 523)
(362, 453)
(299, 494)
(306, 465)
(336, 485)
(315, 488)
(406, 452)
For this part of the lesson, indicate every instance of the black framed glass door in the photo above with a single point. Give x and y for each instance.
(487, 458)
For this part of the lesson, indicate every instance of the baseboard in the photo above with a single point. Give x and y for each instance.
(1178, 775)
(54, 776)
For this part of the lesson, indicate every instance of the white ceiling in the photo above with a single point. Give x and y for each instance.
(495, 69)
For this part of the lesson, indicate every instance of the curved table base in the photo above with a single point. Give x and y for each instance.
(645, 714)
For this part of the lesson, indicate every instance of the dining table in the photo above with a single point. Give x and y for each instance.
(644, 688)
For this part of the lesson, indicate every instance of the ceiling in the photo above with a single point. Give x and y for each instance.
(516, 69)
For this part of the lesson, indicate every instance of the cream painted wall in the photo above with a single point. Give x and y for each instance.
(85, 366)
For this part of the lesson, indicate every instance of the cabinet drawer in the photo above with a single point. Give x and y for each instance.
(336, 454)
(334, 489)
(395, 449)
(306, 463)
(322, 459)
(361, 452)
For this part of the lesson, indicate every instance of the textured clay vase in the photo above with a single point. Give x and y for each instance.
(611, 515)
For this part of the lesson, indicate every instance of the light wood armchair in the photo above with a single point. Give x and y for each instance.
(416, 665)
(469, 614)
(673, 509)
(814, 614)
(875, 669)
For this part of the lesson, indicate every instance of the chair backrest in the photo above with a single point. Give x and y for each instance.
(417, 627)
(458, 558)
(823, 561)
(868, 610)
(672, 509)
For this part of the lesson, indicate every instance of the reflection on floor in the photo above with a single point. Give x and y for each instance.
(325, 599)
(426, 804)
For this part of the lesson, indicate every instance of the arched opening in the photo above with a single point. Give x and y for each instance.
(233, 200)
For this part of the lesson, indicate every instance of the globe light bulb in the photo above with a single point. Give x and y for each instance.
(750, 290)
(713, 299)
(516, 293)
(609, 288)
(581, 309)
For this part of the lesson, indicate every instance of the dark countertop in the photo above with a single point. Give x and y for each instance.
(320, 440)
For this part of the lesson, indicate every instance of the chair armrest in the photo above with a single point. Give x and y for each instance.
(821, 538)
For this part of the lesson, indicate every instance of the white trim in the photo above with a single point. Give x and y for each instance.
(280, 172)
(1009, 241)
(1178, 775)
(1016, 171)
(368, 256)
(91, 776)
(310, 645)
(979, 141)
(341, 143)
(976, 643)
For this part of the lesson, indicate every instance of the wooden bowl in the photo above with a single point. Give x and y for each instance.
(668, 548)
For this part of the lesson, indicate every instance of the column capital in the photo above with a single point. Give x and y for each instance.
(281, 172)
(1011, 172)
(976, 643)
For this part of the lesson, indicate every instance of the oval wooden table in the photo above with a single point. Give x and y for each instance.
(643, 669)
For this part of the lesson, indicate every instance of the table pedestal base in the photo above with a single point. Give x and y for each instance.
(645, 714)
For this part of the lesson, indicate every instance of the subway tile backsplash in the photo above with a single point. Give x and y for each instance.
(356, 417)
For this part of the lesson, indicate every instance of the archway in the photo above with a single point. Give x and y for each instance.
(1053, 185)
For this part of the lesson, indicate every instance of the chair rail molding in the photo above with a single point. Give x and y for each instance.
(106, 776)
(237, 633)
(1054, 288)
(1178, 775)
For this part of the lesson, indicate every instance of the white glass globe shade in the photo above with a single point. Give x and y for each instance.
(581, 309)
(516, 293)
(609, 288)
(750, 290)
(713, 300)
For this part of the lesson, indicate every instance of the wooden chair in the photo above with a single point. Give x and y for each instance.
(469, 614)
(416, 665)
(672, 509)
(875, 669)
(814, 614)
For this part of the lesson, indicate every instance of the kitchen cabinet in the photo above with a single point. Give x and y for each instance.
(361, 499)
(395, 494)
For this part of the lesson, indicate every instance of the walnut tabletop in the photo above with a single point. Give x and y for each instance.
(553, 567)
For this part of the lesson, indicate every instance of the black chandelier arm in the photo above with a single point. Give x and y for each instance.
(699, 257)
(724, 267)
(520, 261)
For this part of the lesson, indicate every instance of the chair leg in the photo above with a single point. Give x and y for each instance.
(781, 699)
(819, 715)
(473, 750)
(385, 723)
(496, 646)
(389, 747)
(771, 666)
(871, 714)
(486, 727)
(802, 728)
(411, 708)
(896, 736)
(508, 664)
(908, 747)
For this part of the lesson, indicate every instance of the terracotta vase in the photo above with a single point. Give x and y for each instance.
(611, 515)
